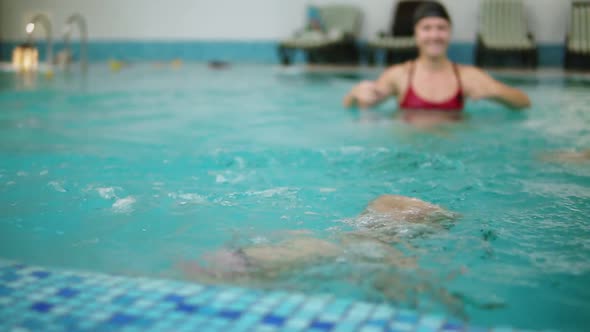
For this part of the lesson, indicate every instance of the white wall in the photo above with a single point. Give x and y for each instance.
(243, 19)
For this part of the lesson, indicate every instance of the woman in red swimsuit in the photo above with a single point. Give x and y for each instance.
(432, 89)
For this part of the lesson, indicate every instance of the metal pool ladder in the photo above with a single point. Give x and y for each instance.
(44, 21)
(82, 28)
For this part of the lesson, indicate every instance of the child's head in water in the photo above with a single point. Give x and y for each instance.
(390, 217)
(402, 208)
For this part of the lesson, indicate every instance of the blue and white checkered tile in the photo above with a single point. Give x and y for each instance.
(39, 299)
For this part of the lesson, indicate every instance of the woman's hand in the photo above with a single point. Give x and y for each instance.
(364, 95)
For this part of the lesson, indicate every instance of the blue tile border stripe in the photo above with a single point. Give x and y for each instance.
(38, 299)
(550, 55)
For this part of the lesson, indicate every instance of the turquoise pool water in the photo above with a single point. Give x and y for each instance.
(134, 172)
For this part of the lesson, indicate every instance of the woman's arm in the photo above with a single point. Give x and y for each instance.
(480, 85)
(364, 95)
(371, 93)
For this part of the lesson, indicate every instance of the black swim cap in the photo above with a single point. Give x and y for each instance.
(430, 9)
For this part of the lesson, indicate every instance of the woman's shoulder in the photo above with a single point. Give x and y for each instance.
(401, 67)
(473, 76)
(469, 71)
(399, 70)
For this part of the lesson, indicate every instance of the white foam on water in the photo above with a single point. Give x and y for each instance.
(124, 205)
(269, 192)
(44, 172)
(157, 185)
(87, 242)
(107, 192)
(556, 189)
(191, 198)
(57, 186)
(223, 202)
(259, 240)
(229, 177)
(220, 179)
(327, 190)
(21, 173)
(382, 149)
(240, 161)
(352, 149)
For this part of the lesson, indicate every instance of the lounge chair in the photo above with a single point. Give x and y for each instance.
(504, 34)
(336, 42)
(577, 45)
(398, 44)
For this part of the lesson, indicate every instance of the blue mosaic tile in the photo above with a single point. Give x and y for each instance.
(432, 321)
(307, 315)
(208, 311)
(5, 290)
(9, 276)
(346, 328)
(426, 329)
(162, 307)
(122, 319)
(124, 300)
(338, 306)
(32, 324)
(42, 306)
(273, 320)
(359, 311)
(218, 321)
(33, 299)
(267, 328)
(406, 316)
(298, 323)
(174, 298)
(323, 326)
(368, 328)
(377, 322)
(383, 312)
(69, 321)
(67, 292)
(187, 308)
(451, 326)
(41, 274)
(246, 322)
(144, 322)
(230, 314)
(401, 326)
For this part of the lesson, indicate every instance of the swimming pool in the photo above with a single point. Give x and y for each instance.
(136, 171)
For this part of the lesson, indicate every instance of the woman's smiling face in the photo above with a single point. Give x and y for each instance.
(433, 35)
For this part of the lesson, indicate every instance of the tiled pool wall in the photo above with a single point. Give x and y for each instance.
(34, 298)
(550, 55)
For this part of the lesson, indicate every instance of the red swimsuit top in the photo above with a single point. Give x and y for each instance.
(412, 101)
